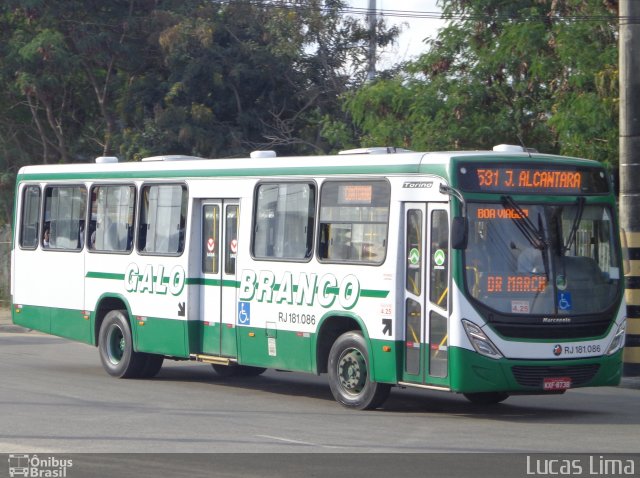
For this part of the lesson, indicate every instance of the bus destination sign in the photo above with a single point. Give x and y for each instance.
(538, 179)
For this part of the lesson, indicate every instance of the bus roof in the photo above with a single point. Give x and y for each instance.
(343, 164)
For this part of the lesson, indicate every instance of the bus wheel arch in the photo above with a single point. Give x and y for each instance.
(330, 329)
(105, 305)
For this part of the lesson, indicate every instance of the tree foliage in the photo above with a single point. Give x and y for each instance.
(132, 78)
(538, 72)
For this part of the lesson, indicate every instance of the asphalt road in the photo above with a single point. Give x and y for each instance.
(55, 398)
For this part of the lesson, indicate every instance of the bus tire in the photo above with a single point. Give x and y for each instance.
(349, 374)
(486, 398)
(115, 345)
(152, 365)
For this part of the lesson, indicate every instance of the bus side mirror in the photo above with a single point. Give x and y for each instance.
(459, 232)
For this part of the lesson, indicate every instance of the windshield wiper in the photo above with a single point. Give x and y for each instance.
(574, 226)
(535, 235)
(528, 229)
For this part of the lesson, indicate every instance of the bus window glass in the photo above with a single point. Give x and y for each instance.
(30, 219)
(210, 238)
(284, 220)
(111, 221)
(542, 259)
(64, 215)
(439, 287)
(354, 217)
(413, 282)
(162, 219)
(231, 239)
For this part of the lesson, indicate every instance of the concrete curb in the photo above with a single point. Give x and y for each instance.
(6, 324)
(630, 382)
(16, 329)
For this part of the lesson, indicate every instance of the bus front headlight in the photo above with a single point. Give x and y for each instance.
(480, 341)
(618, 339)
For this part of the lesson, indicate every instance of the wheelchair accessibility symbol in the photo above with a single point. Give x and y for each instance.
(244, 313)
(564, 301)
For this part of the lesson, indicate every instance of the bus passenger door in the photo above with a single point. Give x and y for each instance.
(217, 289)
(426, 293)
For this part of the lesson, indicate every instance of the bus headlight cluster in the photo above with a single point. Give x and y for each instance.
(480, 341)
(618, 340)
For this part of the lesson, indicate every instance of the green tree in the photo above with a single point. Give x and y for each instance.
(83, 78)
(254, 75)
(538, 72)
(132, 78)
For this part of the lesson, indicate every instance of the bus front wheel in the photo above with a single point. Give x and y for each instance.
(116, 347)
(350, 374)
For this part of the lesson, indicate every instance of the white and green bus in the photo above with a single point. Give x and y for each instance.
(486, 273)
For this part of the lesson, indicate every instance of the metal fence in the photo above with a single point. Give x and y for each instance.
(5, 264)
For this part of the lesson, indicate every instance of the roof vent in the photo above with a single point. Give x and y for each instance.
(508, 148)
(106, 159)
(263, 154)
(171, 157)
(376, 150)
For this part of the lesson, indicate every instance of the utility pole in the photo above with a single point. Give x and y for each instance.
(629, 66)
(371, 16)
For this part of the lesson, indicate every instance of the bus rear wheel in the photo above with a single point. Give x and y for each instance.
(116, 347)
(350, 374)
(486, 398)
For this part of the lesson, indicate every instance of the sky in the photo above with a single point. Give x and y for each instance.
(416, 29)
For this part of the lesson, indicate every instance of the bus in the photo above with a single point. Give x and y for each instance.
(486, 273)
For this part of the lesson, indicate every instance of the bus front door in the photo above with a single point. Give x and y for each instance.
(426, 294)
(218, 305)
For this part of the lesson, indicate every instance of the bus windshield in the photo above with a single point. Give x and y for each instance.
(542, 259)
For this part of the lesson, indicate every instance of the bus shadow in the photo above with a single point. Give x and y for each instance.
(272, 381)
(535, 409)
(569, 408)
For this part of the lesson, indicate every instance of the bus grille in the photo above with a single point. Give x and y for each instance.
(533, 376)
(558, 332)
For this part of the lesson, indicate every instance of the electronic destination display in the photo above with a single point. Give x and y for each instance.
(531, 179)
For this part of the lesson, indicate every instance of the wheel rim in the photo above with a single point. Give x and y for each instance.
(115, 345)
(352, 371)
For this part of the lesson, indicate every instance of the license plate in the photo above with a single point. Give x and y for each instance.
(557, 383)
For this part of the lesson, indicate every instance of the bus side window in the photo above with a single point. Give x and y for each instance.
(30, 218)
(64, 209)
(112, 217)
(354, 219)
(162, 213)
(283, 221)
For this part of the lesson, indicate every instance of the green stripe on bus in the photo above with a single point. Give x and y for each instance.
(104, 275)
(213, 282)
(374, 294)
(368, 293)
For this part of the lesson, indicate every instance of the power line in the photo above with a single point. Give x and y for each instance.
(414, 14)
(418, 14)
